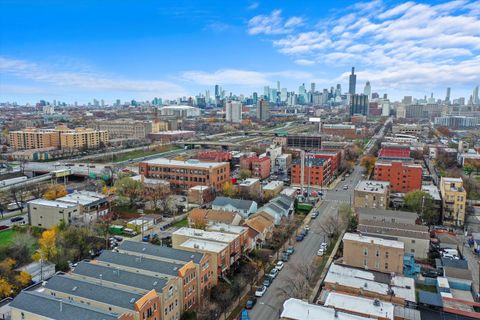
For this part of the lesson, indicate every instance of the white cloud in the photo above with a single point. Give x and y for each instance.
(253, 6)
(434, 44)
(305, 62)
(273, 23)
(241, 77)
(86, 80)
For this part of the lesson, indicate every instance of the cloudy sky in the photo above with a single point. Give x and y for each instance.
(109, 49)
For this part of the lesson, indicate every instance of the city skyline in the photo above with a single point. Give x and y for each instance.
(128, 52)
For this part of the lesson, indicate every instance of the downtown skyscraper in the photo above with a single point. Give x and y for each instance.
(352, 82)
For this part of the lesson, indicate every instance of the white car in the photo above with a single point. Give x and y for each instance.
(279, 265)
(273, 274)
(260, 291)
(324, 245)
(307, 227)
(320, 252)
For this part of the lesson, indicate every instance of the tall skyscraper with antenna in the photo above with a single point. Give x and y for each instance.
(353, 82)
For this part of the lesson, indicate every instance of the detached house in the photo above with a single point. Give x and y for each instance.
(278, 208)
(243, 207)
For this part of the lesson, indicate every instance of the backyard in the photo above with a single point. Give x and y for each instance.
(6, 236)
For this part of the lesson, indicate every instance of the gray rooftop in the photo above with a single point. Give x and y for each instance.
(386, 213)
(160, 251)
(139, 262)
(115, 275)
(393, 229)
(58, 309)
(96, 292)
(237, 203)
(464, 274)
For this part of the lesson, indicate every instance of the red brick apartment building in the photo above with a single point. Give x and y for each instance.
(393, 150)
(319, 170)
(403, 176)
(260, 167)
(215, 156)
(183, 175)
(334, 155)
(348, 131)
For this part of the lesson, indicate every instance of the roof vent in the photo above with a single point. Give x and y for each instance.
(376, 303)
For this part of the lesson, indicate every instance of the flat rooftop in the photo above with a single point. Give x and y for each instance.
(378, 241)
(52, 203)
(206, 235)
(372, 186)
(228, 228)
(189, 163)
(300, 310)
(361, 305)
(204, 245)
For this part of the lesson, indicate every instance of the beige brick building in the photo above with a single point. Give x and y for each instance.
(372, 194)
(373, 253)
(60, 137)
(454, 198)
(83, 138)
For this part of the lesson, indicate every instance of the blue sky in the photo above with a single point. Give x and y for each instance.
(80, 50)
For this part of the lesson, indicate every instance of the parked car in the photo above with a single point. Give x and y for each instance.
(290, 250)
(260, 291)
(17, 219)
(3, 227)
(300, 237)
(118, 238)
(267, 281)
(324, 245)
(320, 252)
(314, 215)
(273, 273)
(307, 228)
(345, 187)
(285, 256)
(146, 238)
(279, 265)
(250, 303)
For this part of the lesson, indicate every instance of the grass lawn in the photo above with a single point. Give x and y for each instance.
(181, 223)
(139, 153)
(6, 236)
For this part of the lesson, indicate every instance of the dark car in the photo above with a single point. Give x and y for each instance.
(267, 281)
(2, 227)
(290, 250)
(250, 303)
(300, 237)
(17, 219)
(146, 238)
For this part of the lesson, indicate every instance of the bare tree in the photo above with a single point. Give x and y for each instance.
(298, 285)
(18, 196)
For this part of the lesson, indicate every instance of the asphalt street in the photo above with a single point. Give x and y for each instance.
(269, 306)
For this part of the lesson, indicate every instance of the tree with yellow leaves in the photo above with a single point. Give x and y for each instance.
(48, 246)
(23, 278)
(55, 191)
(368, 162)
(6, 288)
(229, 189)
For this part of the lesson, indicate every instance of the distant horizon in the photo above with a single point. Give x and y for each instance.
(70, 51)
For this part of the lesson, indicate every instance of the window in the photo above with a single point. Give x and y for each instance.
(386, 254)
(386, 265)
(377, 253)
(413, 241)
(365, 263)
(365, 251)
